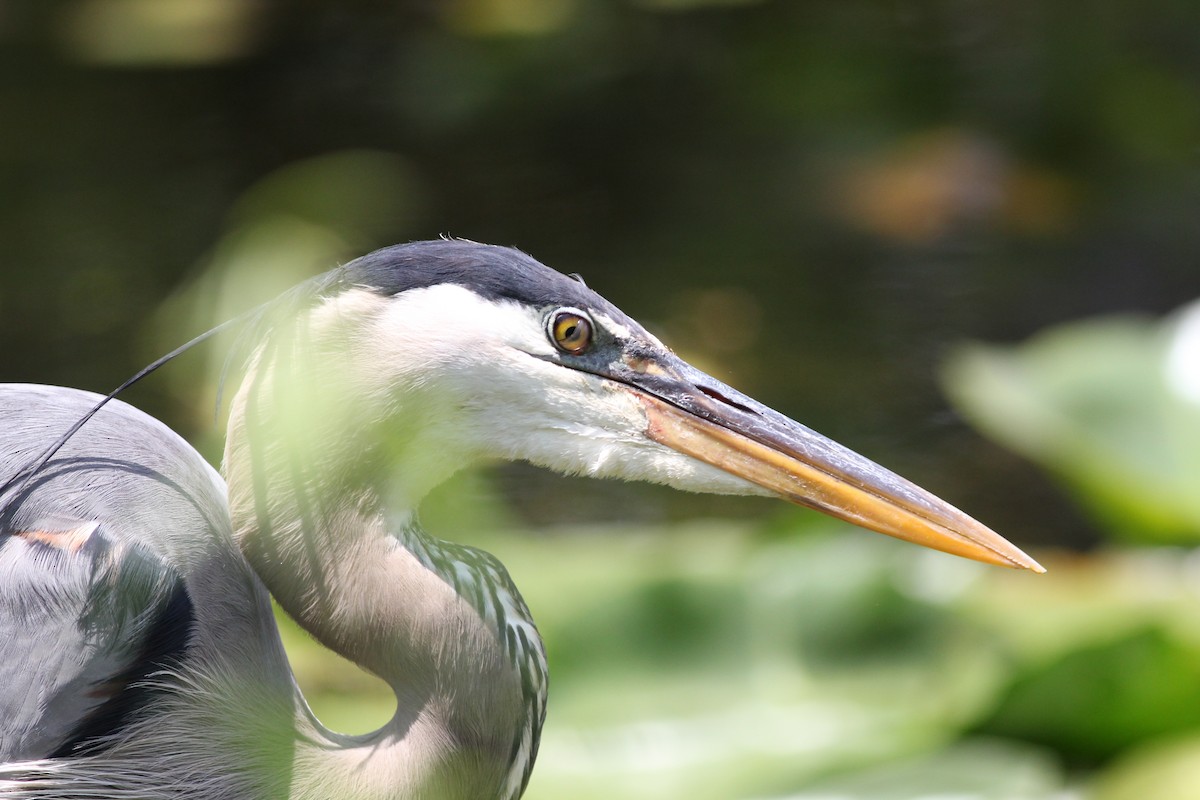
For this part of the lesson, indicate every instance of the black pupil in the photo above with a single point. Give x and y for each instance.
(572, 332)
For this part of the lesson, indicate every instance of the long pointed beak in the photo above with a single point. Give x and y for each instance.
(697, 415)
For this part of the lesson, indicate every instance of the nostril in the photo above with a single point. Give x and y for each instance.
(720, 398)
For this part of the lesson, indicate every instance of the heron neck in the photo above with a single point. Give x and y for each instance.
(442, 624)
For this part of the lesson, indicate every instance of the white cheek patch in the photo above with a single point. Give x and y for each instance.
(446, 320)
(469, 374)
(416, 339)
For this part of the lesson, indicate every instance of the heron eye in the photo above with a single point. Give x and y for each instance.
(572, 333)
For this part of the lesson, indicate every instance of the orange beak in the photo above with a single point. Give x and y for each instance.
(693, 413)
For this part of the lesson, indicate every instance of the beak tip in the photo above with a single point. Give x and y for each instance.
(1003, 553)
(990, 547)
(1031, 565)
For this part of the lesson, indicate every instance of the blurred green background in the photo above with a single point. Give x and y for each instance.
(957, 236)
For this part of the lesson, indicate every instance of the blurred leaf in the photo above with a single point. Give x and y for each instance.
(844, 602)
(1096, 701)
(1163, 770)
(1087, 600)
(177, 32)
(294, 223)
(509, 17)
(702, 662)
(1153, 112)
(359, 195)
(1094, 402)
(974, 770)
(705, 662)
(665, 623)
(466, 503)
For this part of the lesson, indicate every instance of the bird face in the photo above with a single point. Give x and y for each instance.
(561, 378)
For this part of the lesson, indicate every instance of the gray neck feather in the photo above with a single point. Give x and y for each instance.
(441, 623)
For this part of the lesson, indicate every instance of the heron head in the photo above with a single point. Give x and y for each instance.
(465, 351)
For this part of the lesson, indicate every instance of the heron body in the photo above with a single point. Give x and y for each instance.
(138, 652)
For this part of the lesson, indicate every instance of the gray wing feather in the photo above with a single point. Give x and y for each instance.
(92, 591)
(74, 623)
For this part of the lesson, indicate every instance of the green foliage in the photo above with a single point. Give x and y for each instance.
(711, 661)
(978, 770)
(860, 613)
(1167, 769)
(1106, 406)
(1096, 701)
(668, 622)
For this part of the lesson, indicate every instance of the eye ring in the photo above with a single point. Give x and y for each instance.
(570, 330)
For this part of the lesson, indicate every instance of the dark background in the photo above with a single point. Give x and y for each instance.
(813, 200)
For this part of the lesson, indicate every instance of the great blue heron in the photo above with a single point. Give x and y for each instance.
(138, 653)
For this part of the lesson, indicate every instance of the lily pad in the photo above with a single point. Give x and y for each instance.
(1110, 406)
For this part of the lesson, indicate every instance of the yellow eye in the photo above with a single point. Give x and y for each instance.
(572, 332)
